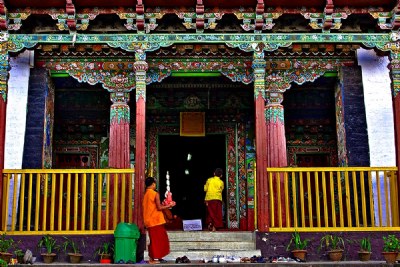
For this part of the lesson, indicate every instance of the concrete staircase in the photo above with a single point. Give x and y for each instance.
(198, 245)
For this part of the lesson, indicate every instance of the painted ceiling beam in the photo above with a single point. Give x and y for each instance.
(151, 42)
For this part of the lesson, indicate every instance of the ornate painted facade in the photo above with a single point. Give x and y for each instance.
(270, 81)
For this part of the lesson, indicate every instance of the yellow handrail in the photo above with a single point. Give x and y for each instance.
(343, 194)
(61, 201)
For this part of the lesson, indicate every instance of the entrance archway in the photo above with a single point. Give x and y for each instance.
(190, 161)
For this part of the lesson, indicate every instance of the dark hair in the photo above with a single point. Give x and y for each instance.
(218, 172)
(149, 181)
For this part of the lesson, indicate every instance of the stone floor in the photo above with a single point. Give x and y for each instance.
(198, 264)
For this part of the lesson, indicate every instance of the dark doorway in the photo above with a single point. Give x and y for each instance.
(189, 161)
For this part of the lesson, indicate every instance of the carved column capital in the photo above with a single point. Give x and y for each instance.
(119, 112)
(274, 111)
(394, 67)
(258, 66)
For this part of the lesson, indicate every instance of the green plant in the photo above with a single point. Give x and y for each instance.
(49, 243)
(331, 242)
(70, 245)
(391, 243)
(6, 243)
(19, 253)
(365, 244)
(105, 248)
(3, 263)
(297, 243)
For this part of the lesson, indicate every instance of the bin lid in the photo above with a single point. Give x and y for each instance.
(127, 230)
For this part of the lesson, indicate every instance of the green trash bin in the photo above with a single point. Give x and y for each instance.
(126, 236)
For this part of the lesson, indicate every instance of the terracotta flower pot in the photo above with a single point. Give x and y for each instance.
(48, 258)
(75, 257)
(299, 253)
(335, 254)
(390, 257)
(364, 255)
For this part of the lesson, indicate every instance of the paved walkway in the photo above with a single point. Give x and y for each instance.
(197, 264)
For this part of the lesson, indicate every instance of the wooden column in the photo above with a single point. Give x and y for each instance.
(140, 156)
(119, 147)
(276, 140)
(261, 193)
(4, 68)
(276, 147)
(395, 76)
(119, 131)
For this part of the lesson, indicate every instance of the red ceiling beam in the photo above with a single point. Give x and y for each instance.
(259, 21)
(3, 18)
(328, 22)
(71, 12)
(199, 15)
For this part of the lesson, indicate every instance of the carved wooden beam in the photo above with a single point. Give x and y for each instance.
(71, 13)
(3, 16)
(140, 22)
(328, 21)
(259, 21)
(200, 16)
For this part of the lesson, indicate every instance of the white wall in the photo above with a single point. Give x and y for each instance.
(17, 98)
(379, 113)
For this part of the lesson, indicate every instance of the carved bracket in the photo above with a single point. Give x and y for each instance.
(388, 20)
(142, 23)
(280, 74)
(257, 22)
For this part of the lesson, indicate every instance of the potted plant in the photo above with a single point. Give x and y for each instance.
(19, 254)
(391, 246)
(334, 244)
(50, 245)
(105, 252)
(5, 245)
(298, 246)
(74, 254)
(365, 249)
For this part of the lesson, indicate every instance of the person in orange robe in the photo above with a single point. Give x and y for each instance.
(154, 221)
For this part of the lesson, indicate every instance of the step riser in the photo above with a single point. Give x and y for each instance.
(200, 255)
(211, 245)
(204, 245)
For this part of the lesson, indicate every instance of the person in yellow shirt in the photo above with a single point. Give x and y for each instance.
(154, 221)
(213, 188)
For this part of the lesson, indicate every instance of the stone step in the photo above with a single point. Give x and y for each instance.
(198, 245)
(211, 236)
(208, 254)
(210, 245)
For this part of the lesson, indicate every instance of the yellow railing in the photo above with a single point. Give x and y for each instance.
(93, 201)
(74, 201)
(333, 199)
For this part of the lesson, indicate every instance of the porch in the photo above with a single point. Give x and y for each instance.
(93, 201)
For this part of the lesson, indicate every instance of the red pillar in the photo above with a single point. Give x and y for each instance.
(4, 68)
(261, 166)
(261, 193)
(276, 147)
(119, 146)
(394, 67)
(140, 153)
(3, 106)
